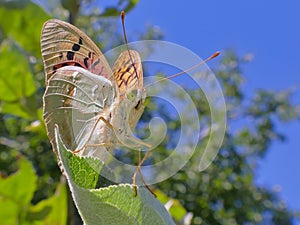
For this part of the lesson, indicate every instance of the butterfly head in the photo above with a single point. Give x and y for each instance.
(137, 104)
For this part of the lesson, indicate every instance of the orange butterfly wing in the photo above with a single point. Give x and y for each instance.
(63, 44)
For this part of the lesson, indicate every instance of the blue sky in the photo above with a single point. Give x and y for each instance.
(268, 29)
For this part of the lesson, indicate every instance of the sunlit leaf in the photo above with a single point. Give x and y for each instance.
(26, 26)
(115, 204)
(52, 210)
(16, 81)
(16, 192)
(175, 208)
(20, 186)
(15, 200)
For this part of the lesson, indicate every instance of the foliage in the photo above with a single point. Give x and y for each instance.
(115, 204)
(16, 192)
(225, 193)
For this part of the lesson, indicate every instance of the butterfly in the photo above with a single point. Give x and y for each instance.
(92, 104)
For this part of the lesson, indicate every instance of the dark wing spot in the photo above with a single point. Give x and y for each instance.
(80, 41)
(77, 64)
(60, 55)
(65, 64)
(70, 55)
(85, 60)
(76, 47)
(90, 55)
(95, 63)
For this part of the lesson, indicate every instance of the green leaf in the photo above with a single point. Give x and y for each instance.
(20, 186)
(9, 212)
(52, 210)
(17, 86)
(175, 208)
(26, 26)
(13, 4)
(115, 204)
(15, 77)
(123, 5)
(16, 192)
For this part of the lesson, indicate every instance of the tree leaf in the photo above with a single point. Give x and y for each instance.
(175, 208)
(16, 192)
(123, 5)
(15, 200)
(115, 204)
(14, 4)
(17, 86)
(26, 26)
(52, 210)
(20, 186)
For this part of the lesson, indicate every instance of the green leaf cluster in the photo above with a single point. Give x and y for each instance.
(15, 199)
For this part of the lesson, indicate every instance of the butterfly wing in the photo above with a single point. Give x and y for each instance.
(75, 97)
(74, 100)
(128, 72)
(63, 44)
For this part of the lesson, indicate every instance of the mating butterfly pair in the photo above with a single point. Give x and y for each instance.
(93, 105)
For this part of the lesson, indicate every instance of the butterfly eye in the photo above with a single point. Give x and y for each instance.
(138, 105)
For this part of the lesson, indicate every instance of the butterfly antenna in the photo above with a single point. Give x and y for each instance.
(124, 30)
(126, 42)
(185, 71)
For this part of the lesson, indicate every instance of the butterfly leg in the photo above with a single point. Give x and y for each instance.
(137, 141)
(138, 170)
(91, 133)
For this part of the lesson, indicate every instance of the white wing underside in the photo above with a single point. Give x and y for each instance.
(74, 100)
